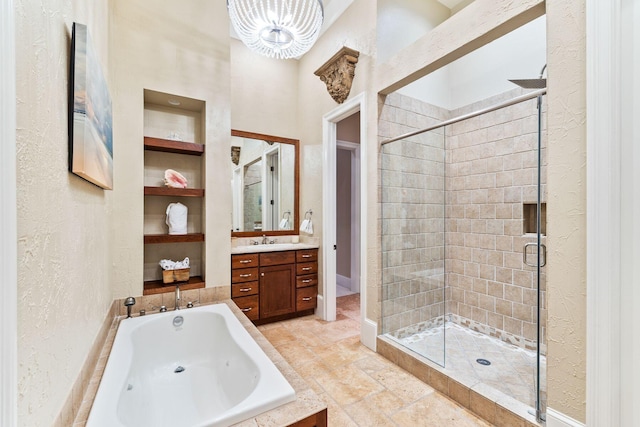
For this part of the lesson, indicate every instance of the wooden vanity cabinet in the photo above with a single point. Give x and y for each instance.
(306, 279)
(271, 286)
(245, 284)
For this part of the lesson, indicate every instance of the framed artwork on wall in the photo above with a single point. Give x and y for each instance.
(90, 117)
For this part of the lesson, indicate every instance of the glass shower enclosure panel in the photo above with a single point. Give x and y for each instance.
(463, 234)
(413, 243)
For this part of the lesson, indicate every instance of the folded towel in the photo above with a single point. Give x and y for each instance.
(177, 218)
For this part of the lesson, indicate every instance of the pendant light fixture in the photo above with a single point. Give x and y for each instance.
(280, 29)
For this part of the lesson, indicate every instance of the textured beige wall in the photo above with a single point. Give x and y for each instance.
(169, 48)
(354, 29)
(264, 93)
(64, 255)
(566, 212)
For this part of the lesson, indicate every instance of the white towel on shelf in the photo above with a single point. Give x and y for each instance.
(177, 218)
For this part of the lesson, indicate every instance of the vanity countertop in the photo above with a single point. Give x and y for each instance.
(275, 247)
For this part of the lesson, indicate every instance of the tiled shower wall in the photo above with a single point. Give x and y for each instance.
(490, 172)
(413, 195)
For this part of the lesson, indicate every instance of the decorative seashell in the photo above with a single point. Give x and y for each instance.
(174, 179)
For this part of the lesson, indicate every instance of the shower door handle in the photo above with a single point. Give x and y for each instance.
(543, 255)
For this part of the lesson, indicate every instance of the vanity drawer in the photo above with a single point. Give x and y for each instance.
(244, 289)
(242, 275)
(249, 306)
(306, 298)
(244, 260)
(306, 268)
(277, 258)
(306, 255)
(308, 280)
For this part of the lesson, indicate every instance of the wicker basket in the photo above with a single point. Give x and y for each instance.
(179, 275)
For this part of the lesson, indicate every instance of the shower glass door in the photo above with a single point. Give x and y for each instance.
(463, 246)
(413, 243)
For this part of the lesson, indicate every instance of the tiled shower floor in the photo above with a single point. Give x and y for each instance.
(512, 369)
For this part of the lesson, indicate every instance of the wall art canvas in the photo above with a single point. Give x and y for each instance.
(90, 117)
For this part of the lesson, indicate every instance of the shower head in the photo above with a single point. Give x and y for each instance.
(538, 83)
(531, 83)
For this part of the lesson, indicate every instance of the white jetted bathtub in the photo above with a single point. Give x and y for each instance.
(189, 368)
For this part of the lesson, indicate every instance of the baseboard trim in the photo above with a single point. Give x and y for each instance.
(343, 281)
(320, 308)
(369, 333)
(558, 419)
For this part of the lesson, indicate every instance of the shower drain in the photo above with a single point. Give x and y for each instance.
(484, 362)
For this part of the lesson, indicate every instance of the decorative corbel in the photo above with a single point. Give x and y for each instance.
(235, 155)
(338, 72)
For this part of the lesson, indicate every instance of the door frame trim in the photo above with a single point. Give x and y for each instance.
(329, 147)
(8, 219)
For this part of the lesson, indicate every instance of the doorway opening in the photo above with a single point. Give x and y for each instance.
(347, 116)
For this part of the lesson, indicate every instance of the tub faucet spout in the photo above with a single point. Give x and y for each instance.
(129, 302)
(177, 306)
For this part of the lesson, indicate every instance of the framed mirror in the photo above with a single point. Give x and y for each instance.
(265, 184)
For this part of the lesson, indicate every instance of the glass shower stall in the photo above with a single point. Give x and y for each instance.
(463, 229)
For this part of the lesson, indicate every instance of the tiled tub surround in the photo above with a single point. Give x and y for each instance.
(75, 407)
(306, 405)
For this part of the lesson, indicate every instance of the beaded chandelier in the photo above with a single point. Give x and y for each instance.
(280, 29)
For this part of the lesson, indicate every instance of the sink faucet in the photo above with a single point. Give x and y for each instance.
(177, 306)
(264, 239)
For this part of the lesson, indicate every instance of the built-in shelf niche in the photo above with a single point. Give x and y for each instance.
(173, 139)
(530, 218)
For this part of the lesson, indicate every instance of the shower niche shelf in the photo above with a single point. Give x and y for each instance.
(173, 135)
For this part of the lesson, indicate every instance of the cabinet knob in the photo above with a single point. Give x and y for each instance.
(306, 268)
(244, 310)
(307, 298)
(306, 256)
(245, 289)
(262, 274)
(245, 261)
(306, 281)
(246, 275)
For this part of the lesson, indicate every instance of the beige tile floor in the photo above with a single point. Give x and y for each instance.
(360, 387)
